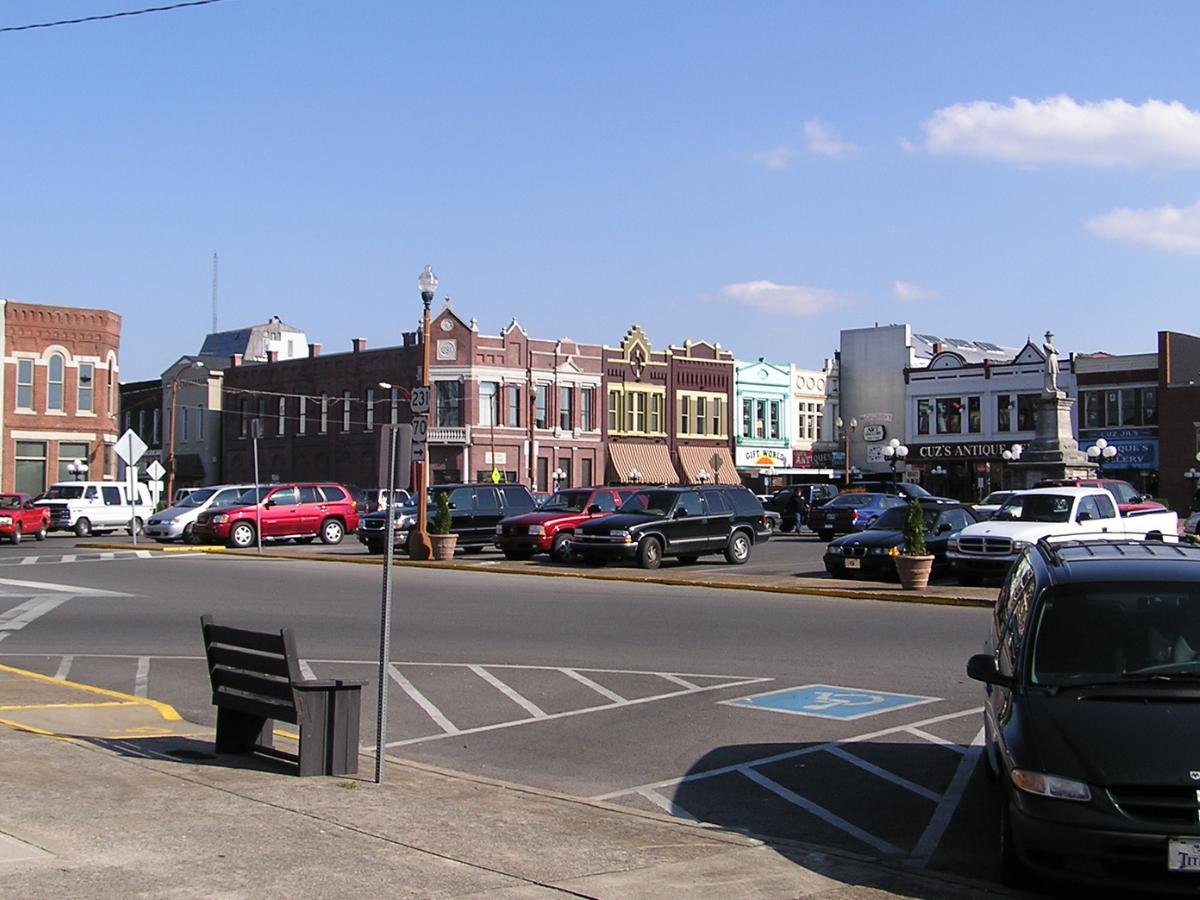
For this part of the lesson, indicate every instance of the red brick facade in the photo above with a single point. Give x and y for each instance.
(60, 383)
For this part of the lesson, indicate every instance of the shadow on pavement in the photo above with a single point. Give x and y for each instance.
(195, 752)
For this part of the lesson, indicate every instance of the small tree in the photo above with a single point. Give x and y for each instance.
(442, 519)
(914, 530)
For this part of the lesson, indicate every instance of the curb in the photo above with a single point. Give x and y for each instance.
(845, 593)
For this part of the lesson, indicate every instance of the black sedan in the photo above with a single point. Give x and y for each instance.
(872, 552)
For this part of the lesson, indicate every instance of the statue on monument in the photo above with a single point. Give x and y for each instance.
(1051, 382)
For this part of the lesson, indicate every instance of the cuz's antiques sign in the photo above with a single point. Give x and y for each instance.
(976, 450)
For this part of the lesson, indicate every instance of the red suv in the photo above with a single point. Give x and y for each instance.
(551, 527)
(301, 512)
(1129, 500)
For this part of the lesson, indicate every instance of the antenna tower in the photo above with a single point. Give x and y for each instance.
(214, 293)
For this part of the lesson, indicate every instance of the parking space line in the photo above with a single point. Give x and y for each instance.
(64, 668)
(940, 820)
(29, 560)
(934, 739)
(675, 679)
(820, 812)
(422, 701)
(598, 688)
(528, 705)
(875, 770)
(668, 806)
(142, 679)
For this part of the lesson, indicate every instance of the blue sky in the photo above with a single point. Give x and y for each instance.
(758, 174)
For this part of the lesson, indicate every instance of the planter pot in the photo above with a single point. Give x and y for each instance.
(914, 571)
(443, 545)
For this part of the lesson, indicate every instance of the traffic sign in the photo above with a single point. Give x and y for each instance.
(155, 470)
(130, 447)
(418, 452)
(419, 400)
(420, 429)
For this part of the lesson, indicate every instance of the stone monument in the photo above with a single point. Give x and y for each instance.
(1054, 452)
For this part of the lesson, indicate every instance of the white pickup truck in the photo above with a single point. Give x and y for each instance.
(986, 549)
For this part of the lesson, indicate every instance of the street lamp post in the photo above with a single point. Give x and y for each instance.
(635, 476)
(1100, 453)
(894, 452)
(77, 469)
(422, 548)
(846, 432)
(1012, 454)
(558, 475)
(195, 364)
(702, 476)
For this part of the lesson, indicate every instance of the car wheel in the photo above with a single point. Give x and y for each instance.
(560, 550)
(688, 558)
(188, 536)
(136, 528)
(1012, 871)
(40, 534)
(242, 535)
(517, 553)
(410, 546)
(650, 553)
(737, 551)
(83, 527)
(16, 535)
(771, 529)
(332, 531)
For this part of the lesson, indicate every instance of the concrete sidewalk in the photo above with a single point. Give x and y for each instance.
(110, 795)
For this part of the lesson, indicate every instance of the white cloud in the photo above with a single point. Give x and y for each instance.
(1168, 228)
(784, 299)
(1060, 130)
(823, 142)
(907, 293)
(776, 159)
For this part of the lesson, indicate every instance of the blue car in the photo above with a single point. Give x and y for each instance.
(850, 511)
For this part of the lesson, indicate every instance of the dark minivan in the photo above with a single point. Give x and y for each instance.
(1092, 716)
(475, 511)
(684, 522)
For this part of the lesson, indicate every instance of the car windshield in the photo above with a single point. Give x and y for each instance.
(1087, 633)
(1035, 508)
(649, 503)
(65, 492)
(196, 498)
(851, 500)
(567, 501)
(995, 498)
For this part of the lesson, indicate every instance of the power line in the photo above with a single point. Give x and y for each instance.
(116, 15)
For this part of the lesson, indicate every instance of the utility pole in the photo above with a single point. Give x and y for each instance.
(214, 293)
(532, 415)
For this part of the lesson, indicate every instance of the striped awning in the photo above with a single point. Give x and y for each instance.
(651, 462)
(715, 462)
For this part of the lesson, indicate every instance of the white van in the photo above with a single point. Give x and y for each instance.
(96, 506)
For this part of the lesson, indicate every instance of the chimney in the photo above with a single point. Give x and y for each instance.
(410, 339)
(235, 360)
(359, 344)
(937, 347)
(272, 356)
(314, 350)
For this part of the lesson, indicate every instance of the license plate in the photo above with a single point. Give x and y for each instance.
(1183, 855)
(853, 564)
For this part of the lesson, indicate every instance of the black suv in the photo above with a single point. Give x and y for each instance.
(1092, 716)
(684, 522)
(475, 510)
(907, 489)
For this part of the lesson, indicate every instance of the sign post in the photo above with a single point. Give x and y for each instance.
(385, 623)
(129, 448)
(256, 433)
(156, 471)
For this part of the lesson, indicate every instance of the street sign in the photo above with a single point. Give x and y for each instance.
(420, 429)
(155, 470)
(418, 452)
(130, 447)
(419, 400)
(495, 475)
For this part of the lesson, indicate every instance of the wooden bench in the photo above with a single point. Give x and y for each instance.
(256, 680)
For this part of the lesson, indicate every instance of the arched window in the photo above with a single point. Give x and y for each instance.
(54, 383)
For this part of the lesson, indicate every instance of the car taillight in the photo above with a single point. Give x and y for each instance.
(854, 517)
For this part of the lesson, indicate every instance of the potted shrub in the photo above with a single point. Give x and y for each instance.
(440, 536)
(913, 563)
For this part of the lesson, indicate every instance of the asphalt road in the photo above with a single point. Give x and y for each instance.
(761, 712)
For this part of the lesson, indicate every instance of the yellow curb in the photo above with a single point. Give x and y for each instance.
(164, 709)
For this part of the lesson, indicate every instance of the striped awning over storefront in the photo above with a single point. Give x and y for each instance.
(715, 462)
(651, 462)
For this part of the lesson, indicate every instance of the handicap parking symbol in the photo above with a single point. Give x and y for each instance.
(830, 701)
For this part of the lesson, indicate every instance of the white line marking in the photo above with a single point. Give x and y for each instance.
(29, 611)
(598, 688)
(104, 556)
(528, 705)
(68, 558)
(675, 679)
(306, 670)
(940, 820)
(885, 774)
(64, 668)
(579, 712)
(51, 586)
(819, 811)
(420, 699)
(142, 679)
(29, 560)
(668, 806)
(934, 739)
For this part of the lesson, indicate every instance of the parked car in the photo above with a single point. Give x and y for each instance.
(851, 511)
(1130, 501)
(176, 522)
(1090, 715)
(475, 511)
(684, 522)
(793, 503)
(906, 489)
(300, 512)
(992, 502)
(872, 552)
(19, 516)
(96, 506)
(369, 500)
(181, 495)
(551, 527)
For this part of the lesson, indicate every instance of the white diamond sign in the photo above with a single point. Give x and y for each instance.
(130, 447)
(155, 470)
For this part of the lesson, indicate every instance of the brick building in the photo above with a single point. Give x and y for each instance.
(60, 393)
(1178, 419)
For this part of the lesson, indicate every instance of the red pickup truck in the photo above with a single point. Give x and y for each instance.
(1129, 501)
(19, 517)
(550, 528)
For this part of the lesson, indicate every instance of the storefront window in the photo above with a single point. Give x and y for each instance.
(1093, 410)
(747, 418)
(923, 414)
(1150, 406)
(1004, 412)
(449, 405)
(489, 404)
(1026, 412)
(949, 415)
(974, 419)
(1130, 411)
(1112, 406)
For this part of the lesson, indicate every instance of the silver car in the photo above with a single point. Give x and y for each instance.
(175, 523)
